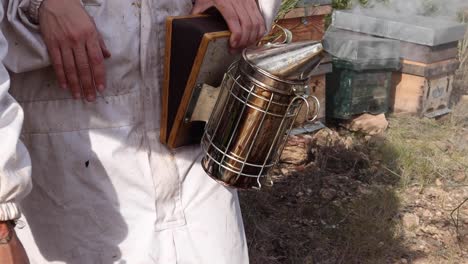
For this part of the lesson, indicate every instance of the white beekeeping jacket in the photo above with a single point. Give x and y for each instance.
(15, 165)
(105, 189)
(269, 9)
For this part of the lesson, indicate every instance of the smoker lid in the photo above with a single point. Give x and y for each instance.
(416, 29)
(362, 51)
(293, 62)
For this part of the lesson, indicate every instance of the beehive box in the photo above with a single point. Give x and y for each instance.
(430, 70)
(351, 92)
(423, 89)
(307, 21)
(422, 96)
(362, 73)
(428, 54)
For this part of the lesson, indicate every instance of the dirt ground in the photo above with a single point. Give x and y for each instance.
(339, 197)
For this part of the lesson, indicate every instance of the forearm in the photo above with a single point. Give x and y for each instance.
(11, 249)
(4, 230)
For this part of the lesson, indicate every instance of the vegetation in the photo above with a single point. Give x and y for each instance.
(419, 151)
(286, 6)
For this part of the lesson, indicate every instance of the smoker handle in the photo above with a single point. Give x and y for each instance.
(308, 107)
(287, 37)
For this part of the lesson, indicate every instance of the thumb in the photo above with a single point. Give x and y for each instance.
(105, 51)
(201, 6)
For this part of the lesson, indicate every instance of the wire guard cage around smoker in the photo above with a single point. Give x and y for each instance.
(253, 116)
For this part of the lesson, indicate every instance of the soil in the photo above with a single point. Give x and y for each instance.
(335, 198)
(333, 201)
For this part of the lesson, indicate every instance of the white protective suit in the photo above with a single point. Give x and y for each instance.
(105, 189)
(15, 165)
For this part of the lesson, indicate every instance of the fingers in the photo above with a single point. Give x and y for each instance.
(229, 13)
(242, 17)
(76, 49)
(84, 70)
(71, 72)
(81, 69)
(257, 20)
(245, 24)
(57, 63)
(201, 6)
(96, 59)
(244, 21)
(255, 23)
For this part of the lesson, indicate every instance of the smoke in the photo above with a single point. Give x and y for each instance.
(400, 20)
(444, 9)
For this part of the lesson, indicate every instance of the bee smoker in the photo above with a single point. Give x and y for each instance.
(260, 97)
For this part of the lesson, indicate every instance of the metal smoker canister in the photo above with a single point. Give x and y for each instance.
(260, 97)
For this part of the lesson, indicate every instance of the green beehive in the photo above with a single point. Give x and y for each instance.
(351, 92)
(362, 73)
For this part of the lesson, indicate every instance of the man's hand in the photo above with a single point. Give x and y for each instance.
(242, 16)
(76, 48)
(12, 252)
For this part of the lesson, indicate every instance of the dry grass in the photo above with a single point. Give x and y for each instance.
(463, 47)
(420, 151)
(464, 51)
(286, 6)
(460, 85)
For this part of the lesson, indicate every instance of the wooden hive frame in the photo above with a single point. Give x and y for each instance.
(423, 89)
(184, 68)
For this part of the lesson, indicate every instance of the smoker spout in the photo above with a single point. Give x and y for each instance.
(292, 62)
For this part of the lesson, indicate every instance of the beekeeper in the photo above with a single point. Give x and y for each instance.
(104, 189)
(15, 166)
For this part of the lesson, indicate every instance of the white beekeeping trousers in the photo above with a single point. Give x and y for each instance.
(105, 189)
